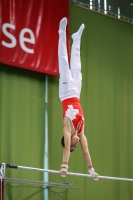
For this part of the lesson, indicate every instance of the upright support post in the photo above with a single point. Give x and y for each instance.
(46, 175)
(105, 7)
(119, 16)
(91, 4)
(2, 175)
(99, 6)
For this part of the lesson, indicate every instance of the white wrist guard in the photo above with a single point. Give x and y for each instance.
(65, 166)
(91, 171)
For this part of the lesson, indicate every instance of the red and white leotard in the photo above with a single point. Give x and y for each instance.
(73, 110)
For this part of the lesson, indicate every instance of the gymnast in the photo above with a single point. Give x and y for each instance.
(70, 83)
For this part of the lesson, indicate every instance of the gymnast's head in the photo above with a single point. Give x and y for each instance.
(74, 142)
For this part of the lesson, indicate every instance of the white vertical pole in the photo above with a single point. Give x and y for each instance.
(118, 12)
(91, 4)
(46, 161)
(105, 6)
(99, 6)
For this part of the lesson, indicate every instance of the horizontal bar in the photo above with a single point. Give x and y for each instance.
(39, 183)
(68, 173)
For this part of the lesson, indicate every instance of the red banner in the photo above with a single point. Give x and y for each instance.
(29, 33)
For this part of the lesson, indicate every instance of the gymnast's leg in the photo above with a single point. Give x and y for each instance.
(75, 62)
(62, 51)
(65, 73)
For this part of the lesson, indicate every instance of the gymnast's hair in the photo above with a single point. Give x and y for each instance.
(63, 143)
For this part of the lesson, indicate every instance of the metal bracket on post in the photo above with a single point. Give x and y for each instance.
(2, 170)
(2, 175)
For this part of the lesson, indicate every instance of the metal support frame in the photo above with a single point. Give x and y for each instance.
(40, 183)
(3, 179)
(2, 175)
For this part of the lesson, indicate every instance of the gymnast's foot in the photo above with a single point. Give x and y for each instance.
(62, 25)
(79, 32)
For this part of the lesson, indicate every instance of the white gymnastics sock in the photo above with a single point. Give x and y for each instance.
(63, 23)
(79, 32)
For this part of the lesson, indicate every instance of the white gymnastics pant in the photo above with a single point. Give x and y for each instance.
(70, 78)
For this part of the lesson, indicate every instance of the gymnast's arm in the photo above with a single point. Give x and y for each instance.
(67, 142)
(84, 146)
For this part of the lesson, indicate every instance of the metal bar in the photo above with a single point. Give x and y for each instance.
(68, 173)
(1, 189)
(40, 183)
